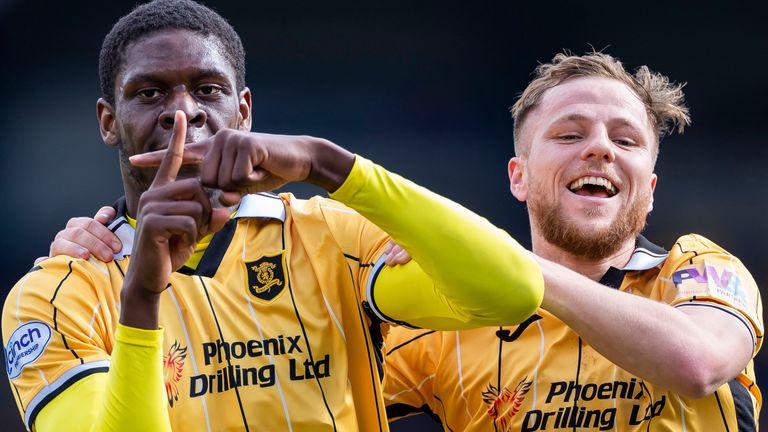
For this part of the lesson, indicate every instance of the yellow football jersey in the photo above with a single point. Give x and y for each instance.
(541, 376)
(267, 333)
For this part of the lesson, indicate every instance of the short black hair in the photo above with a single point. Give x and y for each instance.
(161, 15)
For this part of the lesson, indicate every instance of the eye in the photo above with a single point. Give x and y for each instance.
(568, 137)
(208, 90)
(149, 93)
(624, 142)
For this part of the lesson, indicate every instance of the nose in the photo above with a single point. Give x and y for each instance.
(182, 100)
(599, 146)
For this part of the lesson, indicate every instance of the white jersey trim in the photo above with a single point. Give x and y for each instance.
(369, 289)
(62, 382)
(644, 259)
(125, 232)
(261, 206)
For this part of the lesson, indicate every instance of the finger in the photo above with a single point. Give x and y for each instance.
(185, 196)
(226, 164)
(40, 259)
(172, 160)
(181, 229)
(105, 215)
(388, 247)
(397, 256)
(391, 250)
(209, 173)
(229, 199)
(402, 257)
(219, 217)
(242, 169)
(68, 248)
(194, 153)
(83, 239)
(93, 227)
(189, 209)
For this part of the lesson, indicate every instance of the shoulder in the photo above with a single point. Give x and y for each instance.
(56, 281)
(694, 249)
(315, 206)
(695, 244)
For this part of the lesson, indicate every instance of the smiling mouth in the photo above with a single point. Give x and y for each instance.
(590, 186)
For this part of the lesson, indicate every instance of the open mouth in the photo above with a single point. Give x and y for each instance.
(593, 187)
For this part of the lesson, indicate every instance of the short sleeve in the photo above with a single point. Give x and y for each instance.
(57, 329)
(361, 241)
(701, 274)
(410, 364)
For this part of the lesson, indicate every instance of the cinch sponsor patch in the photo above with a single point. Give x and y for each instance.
(26, 345)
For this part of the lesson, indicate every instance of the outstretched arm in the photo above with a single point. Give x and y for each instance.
(476, 274)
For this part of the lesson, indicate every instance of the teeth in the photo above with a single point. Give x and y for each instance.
(595, 181)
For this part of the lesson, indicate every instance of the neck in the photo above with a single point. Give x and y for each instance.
(591, 268)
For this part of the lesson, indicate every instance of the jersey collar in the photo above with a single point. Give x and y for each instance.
(259, 205)
(645, 256)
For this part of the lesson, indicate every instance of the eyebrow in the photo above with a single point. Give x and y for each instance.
(575, 117)
(155, 76)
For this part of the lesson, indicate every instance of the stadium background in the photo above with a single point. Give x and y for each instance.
(421, 87)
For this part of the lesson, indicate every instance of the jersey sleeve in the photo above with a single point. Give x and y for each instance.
(465, 272)
(411, 361)
(701, 274)
(56, 330)
(130, 398)
(66, 354)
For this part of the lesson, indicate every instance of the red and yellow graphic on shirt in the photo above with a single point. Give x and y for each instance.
(173, 364)
(504, 405)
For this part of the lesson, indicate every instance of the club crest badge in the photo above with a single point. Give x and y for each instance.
(265, 276)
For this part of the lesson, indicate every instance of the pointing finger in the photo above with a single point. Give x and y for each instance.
(171, 163)
(193, 154)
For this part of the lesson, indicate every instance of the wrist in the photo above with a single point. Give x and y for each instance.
(330, 164)
(140, 307)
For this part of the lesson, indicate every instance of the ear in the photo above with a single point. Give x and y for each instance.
(244, 116)
(518, 182)
(654, 179)
(107, 125)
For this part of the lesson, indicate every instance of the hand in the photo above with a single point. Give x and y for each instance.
(173, 215)
(84, 237)
(396, 255)
(240, 163)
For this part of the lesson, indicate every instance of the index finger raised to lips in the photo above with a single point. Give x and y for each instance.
(174, 155)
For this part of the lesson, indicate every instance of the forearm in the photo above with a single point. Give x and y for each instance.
(140, 308)
(652, 340)
(481, 270)
(130, 398)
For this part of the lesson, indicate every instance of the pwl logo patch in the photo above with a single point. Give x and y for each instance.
(26, 345)
(173, 364)
(504, 404)
(265, 276)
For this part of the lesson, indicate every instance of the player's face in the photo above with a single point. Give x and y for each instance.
(588, 175)
(167, 71)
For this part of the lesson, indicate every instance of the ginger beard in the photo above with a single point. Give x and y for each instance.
(589, 242)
